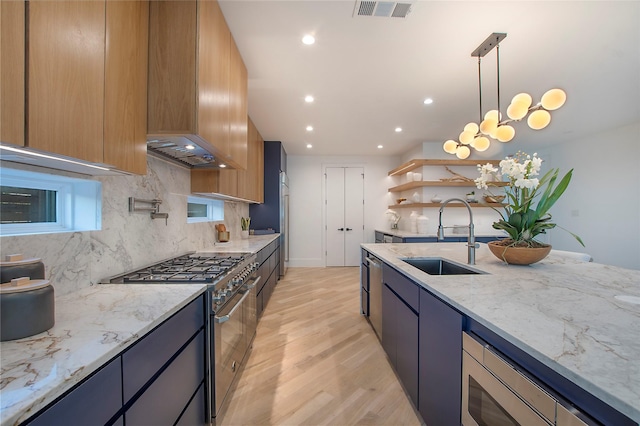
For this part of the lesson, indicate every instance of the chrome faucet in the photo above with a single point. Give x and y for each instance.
(471, 241)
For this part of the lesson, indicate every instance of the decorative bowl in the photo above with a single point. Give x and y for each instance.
(494, 198)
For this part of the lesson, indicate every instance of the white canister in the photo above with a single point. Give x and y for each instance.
(422, 224)
(413, 220)
(409, 176)
(417, 176)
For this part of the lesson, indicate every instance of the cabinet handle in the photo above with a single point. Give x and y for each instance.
(340, 229)
(349, 229)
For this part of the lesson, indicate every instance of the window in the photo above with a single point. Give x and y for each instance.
(39, 203)
(204, 210)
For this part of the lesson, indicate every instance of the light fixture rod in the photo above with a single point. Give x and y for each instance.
(498, 77)
(480, 88)
(487, 46)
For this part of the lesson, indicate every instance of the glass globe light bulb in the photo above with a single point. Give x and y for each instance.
(517, 110)
(463, 152)
(450, 146)
(553, 99)
(466, 137)
(481, 143)
(492, 115)
(505, 133)
(539, 119)
(525, 98)
(488, 125)
(472, 128)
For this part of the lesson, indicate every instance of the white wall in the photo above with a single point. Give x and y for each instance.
(602, 202)
(307, 245)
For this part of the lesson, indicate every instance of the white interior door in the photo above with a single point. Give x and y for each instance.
(344, 204)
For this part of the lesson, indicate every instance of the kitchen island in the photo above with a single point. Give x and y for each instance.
(576, 318)
(92, 326)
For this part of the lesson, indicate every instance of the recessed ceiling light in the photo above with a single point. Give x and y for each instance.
(309, 128)
(308, 39)
(222, 166)
(380, 146)
(398, 129)
(190, 147)
(308, 98)
(309, 146)
(428, 101)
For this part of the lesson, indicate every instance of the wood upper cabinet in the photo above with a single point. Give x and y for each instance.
(86, 79)
(251, 181)
(125, 120)
(12, 87)
(246, 184)
(66, 57)
(197, 79)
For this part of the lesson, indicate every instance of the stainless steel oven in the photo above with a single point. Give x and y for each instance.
(232, 318)
(497, 393)
(233, 327)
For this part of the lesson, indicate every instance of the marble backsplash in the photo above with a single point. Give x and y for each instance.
(127, 240)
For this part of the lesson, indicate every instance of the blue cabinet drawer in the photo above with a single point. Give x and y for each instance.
(163, 402)
(143, 360)
(94, 401)
(408, 291)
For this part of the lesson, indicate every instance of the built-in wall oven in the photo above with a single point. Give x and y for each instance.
(495, 392)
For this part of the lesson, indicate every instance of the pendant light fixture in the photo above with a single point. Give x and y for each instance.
(492, 125)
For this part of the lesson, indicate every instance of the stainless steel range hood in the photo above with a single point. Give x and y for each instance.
(191, 152)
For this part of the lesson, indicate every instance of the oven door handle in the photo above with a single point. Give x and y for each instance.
(225, 318)
(254, 283)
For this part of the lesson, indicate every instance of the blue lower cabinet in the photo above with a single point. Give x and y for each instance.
(94, 402)
(164, 400)
(400, 328)
(195, 413)
(440, 367)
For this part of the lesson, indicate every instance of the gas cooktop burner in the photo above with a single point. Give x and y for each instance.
(190, 268)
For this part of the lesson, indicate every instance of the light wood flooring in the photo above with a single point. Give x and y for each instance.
(316, 360)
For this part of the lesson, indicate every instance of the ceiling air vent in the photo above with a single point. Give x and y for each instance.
(387, 9)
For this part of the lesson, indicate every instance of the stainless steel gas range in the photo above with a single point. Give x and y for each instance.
(231, 297)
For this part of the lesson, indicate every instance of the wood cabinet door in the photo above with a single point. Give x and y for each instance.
(12, 72)
(213, 76)
(237, 109)
(125, 120)
(66, 77)
(172, 67)
(251, 180)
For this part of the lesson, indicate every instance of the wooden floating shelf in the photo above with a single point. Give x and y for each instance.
(414, 164)
(422, 205)
(420, 183)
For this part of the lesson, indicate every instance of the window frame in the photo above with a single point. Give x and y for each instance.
(78, 202)
(215, 209)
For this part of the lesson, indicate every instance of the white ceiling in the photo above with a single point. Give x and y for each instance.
(370, 75)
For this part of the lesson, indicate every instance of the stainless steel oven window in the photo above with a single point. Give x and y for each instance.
(484, 409)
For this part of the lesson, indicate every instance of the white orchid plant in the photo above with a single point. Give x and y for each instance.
(529, 198)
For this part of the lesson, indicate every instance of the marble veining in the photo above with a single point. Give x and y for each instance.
(562, 311)
(127, 240)
(93, 324)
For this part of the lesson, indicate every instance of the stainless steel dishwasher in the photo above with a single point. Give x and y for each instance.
(375, 294)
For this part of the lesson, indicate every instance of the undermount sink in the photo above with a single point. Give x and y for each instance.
(439, 266)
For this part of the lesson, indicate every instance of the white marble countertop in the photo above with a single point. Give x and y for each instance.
(565, 313)
(448, 233)
(92, 326)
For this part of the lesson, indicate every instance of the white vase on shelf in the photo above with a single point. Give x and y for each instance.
(413, 220)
